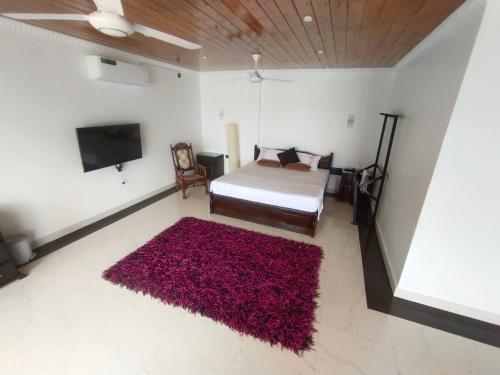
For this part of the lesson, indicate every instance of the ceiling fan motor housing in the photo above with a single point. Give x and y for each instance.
(111, 24)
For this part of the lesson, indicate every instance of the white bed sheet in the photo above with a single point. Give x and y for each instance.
(280, 187)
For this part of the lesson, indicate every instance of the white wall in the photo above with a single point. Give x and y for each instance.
(454, 259)
(44, 95)
(310, 112)
(425, 90)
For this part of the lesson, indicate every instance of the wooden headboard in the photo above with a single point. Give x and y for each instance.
(324, 163)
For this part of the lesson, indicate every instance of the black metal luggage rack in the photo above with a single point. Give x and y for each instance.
(367, 187)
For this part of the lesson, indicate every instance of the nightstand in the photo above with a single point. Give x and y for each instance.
(346, 192)
(214, 162)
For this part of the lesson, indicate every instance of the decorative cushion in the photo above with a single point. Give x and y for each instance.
(325, 162)
(309, 159)
(269, 154)
(288, 156)
(269, 163)
(298, 167)
(184, 159)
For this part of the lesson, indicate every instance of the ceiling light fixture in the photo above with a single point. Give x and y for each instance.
(204, 57)
(320, 52)
(308, 18)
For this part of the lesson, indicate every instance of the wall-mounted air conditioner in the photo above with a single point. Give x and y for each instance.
(105, 69)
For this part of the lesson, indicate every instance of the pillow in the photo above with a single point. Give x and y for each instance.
(288, 156)
(269, 154)
(269, 163)
(314, 162)
(309, 159)
(298, 167)
(325, 162)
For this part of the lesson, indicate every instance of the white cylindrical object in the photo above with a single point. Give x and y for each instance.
(233, 146)
(19, 249)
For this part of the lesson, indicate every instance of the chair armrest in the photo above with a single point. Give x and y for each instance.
(202, 170)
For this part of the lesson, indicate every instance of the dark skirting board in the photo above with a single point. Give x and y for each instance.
(379, 295)
(60, 242)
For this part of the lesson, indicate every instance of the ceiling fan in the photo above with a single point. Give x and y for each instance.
(108, 19)
(255, 76)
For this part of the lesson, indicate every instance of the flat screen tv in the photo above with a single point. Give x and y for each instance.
(103, 146)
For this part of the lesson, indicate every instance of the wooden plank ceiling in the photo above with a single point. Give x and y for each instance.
(342, 33)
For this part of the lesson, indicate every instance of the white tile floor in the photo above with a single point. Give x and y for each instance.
(64, 319)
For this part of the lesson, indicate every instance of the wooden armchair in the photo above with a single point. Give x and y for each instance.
(187, 172)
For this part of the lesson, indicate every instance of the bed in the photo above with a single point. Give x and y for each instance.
(278, 197)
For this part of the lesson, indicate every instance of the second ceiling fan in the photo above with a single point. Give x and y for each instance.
(255, 76)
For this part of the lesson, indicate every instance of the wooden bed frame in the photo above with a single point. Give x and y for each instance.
(279, 217)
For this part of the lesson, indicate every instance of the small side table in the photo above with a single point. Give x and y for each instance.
(214, 162)
(346, 193)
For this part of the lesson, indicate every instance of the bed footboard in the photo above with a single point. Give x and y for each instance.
(279, 217)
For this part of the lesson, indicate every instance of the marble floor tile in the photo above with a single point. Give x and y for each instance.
(446, 351)
(486, 357)
(410, 365)
(347, 354)
(64, 319)
(256, 357)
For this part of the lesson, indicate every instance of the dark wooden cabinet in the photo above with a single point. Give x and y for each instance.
(214, 163)
(7, 269)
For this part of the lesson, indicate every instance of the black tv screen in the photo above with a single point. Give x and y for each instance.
(103, 146)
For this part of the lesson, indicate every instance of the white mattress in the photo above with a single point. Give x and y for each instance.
(280, 187)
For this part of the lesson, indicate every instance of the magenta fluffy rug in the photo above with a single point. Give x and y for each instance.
(259, 285)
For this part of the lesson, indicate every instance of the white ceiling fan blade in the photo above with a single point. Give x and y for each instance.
(277, 79)
(47, 16)
(160, 35)
(112, 6)
(236, 79)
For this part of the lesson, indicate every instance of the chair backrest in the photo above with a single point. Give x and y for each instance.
(182, 155)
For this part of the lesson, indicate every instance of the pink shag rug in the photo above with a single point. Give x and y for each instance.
(257, 284)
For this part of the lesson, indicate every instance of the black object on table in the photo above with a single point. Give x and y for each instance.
(336, 171)
(8, 270)
(214, 162)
